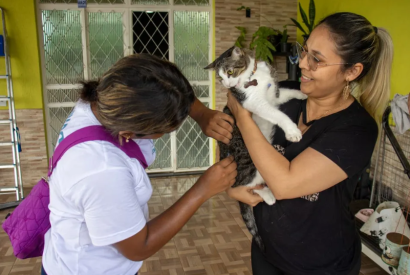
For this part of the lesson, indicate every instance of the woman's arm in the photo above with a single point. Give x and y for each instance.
(308, 173)
(245, 194)
(214, 124)
(164, 227)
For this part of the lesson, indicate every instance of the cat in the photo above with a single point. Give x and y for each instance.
(256, 89)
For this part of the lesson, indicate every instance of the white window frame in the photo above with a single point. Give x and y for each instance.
(127, 9)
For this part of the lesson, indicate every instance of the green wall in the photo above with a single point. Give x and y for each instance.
(24, 51)
(392, 15)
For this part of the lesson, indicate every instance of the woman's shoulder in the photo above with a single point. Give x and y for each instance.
(97, 153)
(356, 115)
(91, 159)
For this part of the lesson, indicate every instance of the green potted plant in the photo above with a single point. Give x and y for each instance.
(260, 42)
(284, 45)
(265, 41)
(276, 39)
(310, 23)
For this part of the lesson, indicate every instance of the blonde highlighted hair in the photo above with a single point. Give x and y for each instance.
(374, 88)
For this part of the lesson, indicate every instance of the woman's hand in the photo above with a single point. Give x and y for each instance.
(237, 110)
(245, 194)
(217, 125)
(161, 229)
(219, 177)
(214, 124)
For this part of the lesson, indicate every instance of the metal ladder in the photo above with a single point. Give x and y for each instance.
(11, 122)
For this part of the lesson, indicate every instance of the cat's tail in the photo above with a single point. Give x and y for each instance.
(249, 219)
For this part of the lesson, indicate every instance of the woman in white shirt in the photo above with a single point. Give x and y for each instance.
(98, 195)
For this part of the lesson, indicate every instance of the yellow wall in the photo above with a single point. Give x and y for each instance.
(392, 15)
(24, 51)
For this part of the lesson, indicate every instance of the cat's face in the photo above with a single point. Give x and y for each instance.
(230, 66)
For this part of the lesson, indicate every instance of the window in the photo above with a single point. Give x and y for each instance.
(81, 44)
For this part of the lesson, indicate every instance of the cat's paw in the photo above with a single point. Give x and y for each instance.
(270, 199)
(293, 133)
(266, 195)
(301, 96)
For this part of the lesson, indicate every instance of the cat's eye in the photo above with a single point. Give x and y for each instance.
(230, 72)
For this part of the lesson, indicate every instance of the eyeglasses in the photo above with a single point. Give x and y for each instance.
(312, 60)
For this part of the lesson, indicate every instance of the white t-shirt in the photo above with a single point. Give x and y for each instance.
(98, 197)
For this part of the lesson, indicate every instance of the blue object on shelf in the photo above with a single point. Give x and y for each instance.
(1, 45)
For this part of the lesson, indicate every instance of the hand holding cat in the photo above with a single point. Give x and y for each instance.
(218, 177)
(217, 125)
(245, 194)
(236, 109)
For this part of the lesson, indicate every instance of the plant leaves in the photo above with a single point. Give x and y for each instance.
(312, 14)
(263, 49)
(242, 30)
(241, 37)
(304, 17)
(240, 8)
(252, 46)
(262, 45)
(263, 32)
(239, 41)
(285, 36)
(270, 46)
(298, 25)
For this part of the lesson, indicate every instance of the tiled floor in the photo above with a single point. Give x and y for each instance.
(215, 241)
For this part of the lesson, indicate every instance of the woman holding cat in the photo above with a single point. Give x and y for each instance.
(310, 229)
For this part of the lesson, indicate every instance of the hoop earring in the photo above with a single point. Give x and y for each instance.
(346, 90)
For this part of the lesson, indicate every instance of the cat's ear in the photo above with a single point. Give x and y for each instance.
(211, 66)
(237, 53)
(217, 61)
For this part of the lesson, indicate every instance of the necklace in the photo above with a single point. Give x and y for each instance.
(305, 115)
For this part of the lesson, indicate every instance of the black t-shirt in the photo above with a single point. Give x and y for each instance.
(316, 234)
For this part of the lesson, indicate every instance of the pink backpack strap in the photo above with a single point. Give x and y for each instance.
(92, 133)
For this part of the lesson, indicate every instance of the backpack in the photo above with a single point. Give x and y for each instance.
(30, 221)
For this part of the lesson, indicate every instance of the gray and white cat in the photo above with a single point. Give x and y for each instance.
(256, 89)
